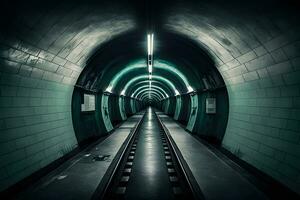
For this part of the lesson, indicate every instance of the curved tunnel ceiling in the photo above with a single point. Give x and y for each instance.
(149, 92)
(141, 64)
(136, 93)
(151, 95)
(129, 68)
(155, 84)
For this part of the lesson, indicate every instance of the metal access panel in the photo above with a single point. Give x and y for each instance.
(210, 105)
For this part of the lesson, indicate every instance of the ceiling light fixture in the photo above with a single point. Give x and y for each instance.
(108, 89)
(190, 89)
(123, 93)
(150, 38)
(150, 58)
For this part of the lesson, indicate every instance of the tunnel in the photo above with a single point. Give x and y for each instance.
(128, 99)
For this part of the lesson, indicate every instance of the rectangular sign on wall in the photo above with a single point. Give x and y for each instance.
(210, 105)
(88, 103)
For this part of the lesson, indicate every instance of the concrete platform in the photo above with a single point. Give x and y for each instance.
(79, 177)
(216, 179)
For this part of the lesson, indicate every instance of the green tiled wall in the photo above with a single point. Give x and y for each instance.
(35, 111)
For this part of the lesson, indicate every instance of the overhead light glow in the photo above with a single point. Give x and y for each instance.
(152, 36)
(176, 93)
(149, 44)
(150, 68)
(150, 51)
(190, 89)
(150, 76)
(123, 93)
(108, 89)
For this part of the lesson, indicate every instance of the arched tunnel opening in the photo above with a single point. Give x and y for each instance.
(149, 100)
(184, 79)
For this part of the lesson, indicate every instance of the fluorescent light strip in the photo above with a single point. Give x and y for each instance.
(150, 68)
(150, 51)
(150, 38)
(150, 59)
(149, 43)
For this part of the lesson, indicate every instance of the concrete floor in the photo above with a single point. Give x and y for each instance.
(216, 179)
(79, 177)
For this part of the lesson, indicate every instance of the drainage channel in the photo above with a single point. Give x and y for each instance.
(149, 168)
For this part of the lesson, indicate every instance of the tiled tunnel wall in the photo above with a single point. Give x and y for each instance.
(35, 120)
(263, 127)
(260, 64)
(39, 65)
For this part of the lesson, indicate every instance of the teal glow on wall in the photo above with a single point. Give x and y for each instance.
(150, 90)
(137, 91)
(139, 64)
(154, 77)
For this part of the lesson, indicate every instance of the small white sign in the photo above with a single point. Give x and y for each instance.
(210, 105)
(88, 103)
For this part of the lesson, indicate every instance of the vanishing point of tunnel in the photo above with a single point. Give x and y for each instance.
(149, 100)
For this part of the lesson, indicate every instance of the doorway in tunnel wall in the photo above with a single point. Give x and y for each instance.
(185, 109)
(203, 120)
(177, 107)
(211, 125)
(122, 107)
(170, 106)
(132, 105)
(114, 110)
(127, 105)
(165, 105)
(105, 112)
(85, 121)
(193, 112)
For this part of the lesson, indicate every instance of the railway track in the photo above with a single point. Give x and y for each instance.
(149, 166)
